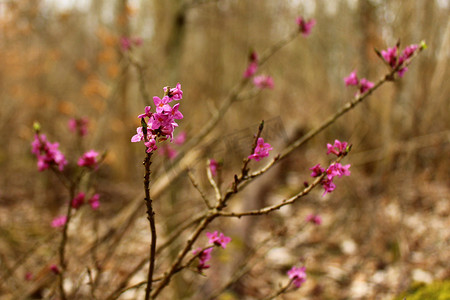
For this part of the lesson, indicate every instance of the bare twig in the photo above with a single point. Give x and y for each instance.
(197, 187)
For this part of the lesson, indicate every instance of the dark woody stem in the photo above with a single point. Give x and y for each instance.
(151, 218)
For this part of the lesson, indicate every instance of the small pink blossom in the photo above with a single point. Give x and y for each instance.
(351, 79)
(317, 170)
(180, 138)
(261, 150)
(162, 104)
(203, 257)
(263, 81)
(218, 239)
(176, 93)
(94, 201)
(365, 85)
(89, 159)
(315, 219)
(213, 166)
(78, 200)
(147, 113)
(127, 43)
(390, 56)
(59, 221)
(305, 26)
(251, 70)
(54, 268)
(79, 126)
(297, 275)
(338, 148)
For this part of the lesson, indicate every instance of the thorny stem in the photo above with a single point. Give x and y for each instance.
(151, 219)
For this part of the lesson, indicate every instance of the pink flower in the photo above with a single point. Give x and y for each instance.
(213, 166)
(59, 221)
(162, 104)
(338, 148)
(305, 26)
(147, 113)
(203, 257)
(402, 71)
(334, 170)
(315, 219)
(78, 126)
(94, 201)
(352, 79)
(125, 43)
(218, 239)
(176, 93)
(47, 153)
(78, 200)
(54, 268)
(261, 150)
(297, 275)
(180, 138)
(365, 85)
(317, 170)
(89, 159)
(251, 70)
(263, 81)
(390, 56)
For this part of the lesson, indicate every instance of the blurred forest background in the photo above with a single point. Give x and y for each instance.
(385, 227)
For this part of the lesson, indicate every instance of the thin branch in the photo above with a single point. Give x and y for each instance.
(282, 290)
(197, 187)
(268, 209)
(151, 219)
(213, 184)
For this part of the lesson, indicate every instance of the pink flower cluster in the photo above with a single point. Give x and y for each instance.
(218, 239)
(89, 159)
(203, 258)
(79, 199)
(396, 61)
(338, 148)
(335, 169)
(305, 26)
(78, 126)
(261, 150)
(297, 275)
(364, 85)
(47, 153)
(126, 43)
(215, 238)
(160, 124)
